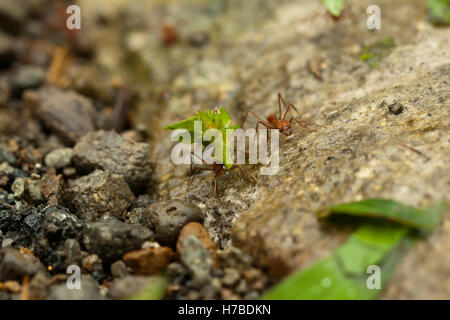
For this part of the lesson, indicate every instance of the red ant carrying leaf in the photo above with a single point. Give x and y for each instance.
(280, 122)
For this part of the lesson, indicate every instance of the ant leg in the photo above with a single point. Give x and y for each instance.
(245, 118)
(195, 171)
(280, 99)
(192, 177)
(298, 121)
(215, 192)
(256, 129)
(265, 123)
(247, 176)
(288, 109)
(203, 161)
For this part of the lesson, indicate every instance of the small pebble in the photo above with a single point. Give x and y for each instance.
(396, 108)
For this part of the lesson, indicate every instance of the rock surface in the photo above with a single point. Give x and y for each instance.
(196, 229)
(59, 158)
(167, 218)
(89, 291)
(14, 265)
(69, 114)
(111, 239)
(98, 194)
(108, 150)
(126, 287)
(149, 261)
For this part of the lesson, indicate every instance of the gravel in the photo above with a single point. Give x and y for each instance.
(111, 239)
(89, 291)
(167, 218)
(108, 150)
(59, 158)
(98, 194)
(66, 113)
(127, 286)
(15, 265)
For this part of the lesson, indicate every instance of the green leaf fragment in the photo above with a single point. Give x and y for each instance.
(155, 290)
(368, 245)
(439, 12)
(210, 119)
(425, 219)
(334, 6)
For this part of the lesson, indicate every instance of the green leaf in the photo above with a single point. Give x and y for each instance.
(210, 119)
(155, 290)
(425, 219)
(334, 6)
(439, 12)
(368, 245)
(342, 275)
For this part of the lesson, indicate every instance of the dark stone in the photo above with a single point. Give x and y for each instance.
(66, 113)
(27, 77)
(15, 265)
(6, 156)
(198, 261)
(39, 285)
(42, 231)
(119, 269)
(71, 253)
(50, 229)
(98, 194)
(6, 50)
(199, 39)
(12, 16)
(108, 150)
(167, 218)
(111, 239)
(396, 108)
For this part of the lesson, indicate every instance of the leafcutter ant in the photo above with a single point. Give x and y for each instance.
(279, 122)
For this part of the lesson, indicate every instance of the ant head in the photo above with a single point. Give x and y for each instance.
(271, 117)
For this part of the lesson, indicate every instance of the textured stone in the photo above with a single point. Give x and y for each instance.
(59, 158)
(98, 194)
(119, 269)
(108, 150)
(67, 113)
(126, 287)
(167, 218)
(89, 291)
(15, 265)
(111, 239)
(196, 229)
(149, 261)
